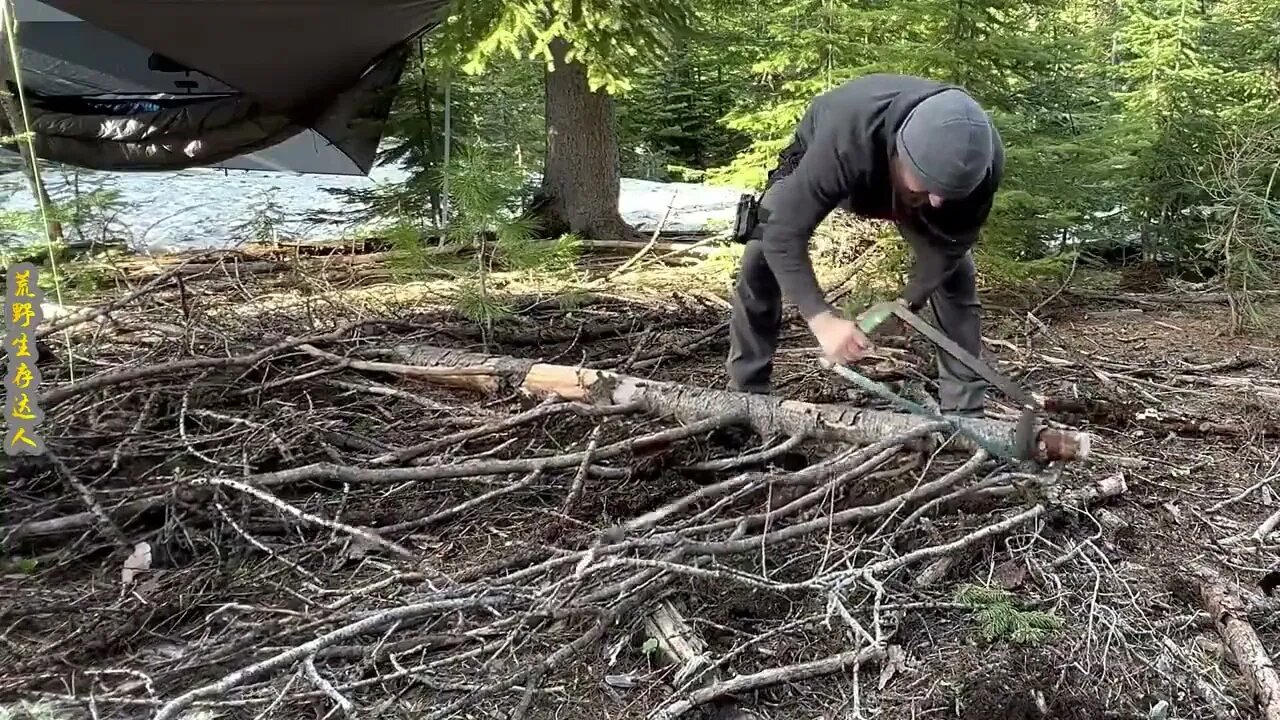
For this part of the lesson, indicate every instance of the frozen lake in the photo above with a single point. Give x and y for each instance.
(201, 208)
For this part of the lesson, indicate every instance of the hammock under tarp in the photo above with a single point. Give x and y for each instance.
(286, 85)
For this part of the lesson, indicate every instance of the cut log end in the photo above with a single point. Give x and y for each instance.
(563, 381)
(1062, 445)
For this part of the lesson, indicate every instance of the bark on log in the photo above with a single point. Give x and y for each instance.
(681, 644)
(1230, 616)
(770, 416)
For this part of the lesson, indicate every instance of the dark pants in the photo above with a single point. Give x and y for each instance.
(756, 320)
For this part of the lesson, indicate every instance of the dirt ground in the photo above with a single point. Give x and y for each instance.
(256, 472)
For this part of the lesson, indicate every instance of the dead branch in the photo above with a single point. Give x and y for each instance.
(1267, 527)
(1231, 618)
(99, 312)
(500, 493)
(456, 510)
(345, 473)
(853, 659)
(100, 517)
(653, 239)
(175, 706)
(130, 375)
(478, 468)
(285, 507)
(760, 456)
(309, 665)
(22, 530)
(547, 408)
(928, 553)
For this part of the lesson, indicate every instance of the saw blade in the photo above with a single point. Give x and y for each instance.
(1018, 450)
(878, 313)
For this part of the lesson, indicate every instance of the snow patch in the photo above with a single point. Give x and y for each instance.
(693, 206)
(200, 208)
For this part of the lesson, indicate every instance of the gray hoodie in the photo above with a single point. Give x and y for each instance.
(847, 140)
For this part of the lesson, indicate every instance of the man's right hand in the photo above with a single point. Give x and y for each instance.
(841, 339)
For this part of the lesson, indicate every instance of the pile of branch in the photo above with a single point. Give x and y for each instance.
(357, 518)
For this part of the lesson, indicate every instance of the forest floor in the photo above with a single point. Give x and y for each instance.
(268, 508)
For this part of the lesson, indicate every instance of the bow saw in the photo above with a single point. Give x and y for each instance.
(1023, 446)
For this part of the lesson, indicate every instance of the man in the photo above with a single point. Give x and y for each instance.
(918, 153)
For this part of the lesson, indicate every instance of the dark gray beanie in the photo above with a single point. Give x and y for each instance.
(946, 139)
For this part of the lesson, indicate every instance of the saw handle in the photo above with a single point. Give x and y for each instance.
(874, 316)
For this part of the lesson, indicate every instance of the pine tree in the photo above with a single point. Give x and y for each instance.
(500, 110)
(1162, 73)
(804, 48)
(1189, 73)
(1238, 174)
(588, 47)
(671, 121)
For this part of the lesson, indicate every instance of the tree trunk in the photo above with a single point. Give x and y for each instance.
(427, 136)
(580, 181)
(770, 416)
(448, 147)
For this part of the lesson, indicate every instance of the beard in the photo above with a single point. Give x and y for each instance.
(913, 200)
(905, 195)
(908, 197)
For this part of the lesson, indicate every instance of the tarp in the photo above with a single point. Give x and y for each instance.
(288, 85)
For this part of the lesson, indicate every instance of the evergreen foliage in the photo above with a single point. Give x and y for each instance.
(1000, 619)
(609, 38)
(1137, 129)
(488, 223)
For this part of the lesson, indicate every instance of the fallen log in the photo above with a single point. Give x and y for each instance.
(1169, 298)
(770, 416)
(1230, 616)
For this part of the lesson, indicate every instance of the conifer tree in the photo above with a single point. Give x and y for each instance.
(670, 121)
(588, 47)
(500, 109)
(1176, 89)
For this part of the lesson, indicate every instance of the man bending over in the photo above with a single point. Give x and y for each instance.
(915, 152)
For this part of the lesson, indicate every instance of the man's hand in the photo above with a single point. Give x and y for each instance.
(841, 339)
